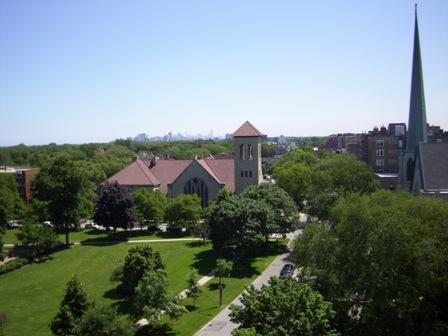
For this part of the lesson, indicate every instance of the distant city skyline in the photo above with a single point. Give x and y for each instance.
(95, 71)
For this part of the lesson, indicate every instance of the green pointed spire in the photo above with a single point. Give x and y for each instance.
(417, 111)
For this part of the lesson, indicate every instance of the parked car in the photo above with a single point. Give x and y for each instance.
(94, 226)
(48, 224)
(287, 270)
(15, 223)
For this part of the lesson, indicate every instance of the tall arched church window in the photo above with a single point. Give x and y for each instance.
(250, 173)
(249, 152)
(241, 152)
(198, 187)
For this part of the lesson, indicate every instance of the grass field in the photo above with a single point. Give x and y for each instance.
(30, 296)
(88, 236)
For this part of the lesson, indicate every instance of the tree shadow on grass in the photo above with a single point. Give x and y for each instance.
(123, 236)
(122, 302)
(204, 261)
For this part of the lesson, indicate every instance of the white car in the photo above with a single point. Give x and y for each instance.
(14, 223)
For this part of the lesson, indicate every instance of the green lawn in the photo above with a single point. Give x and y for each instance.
(99, 236)
(30, 296)
(208, 302)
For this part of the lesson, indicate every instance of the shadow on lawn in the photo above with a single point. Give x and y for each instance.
(123, 236)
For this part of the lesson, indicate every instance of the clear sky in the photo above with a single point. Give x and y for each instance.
(95, 70)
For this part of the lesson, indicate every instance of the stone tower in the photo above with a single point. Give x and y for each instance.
(417, 115)
(247, 142)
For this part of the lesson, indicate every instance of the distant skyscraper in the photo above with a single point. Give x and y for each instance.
(417, 115)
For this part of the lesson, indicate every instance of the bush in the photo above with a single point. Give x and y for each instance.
(13, 265)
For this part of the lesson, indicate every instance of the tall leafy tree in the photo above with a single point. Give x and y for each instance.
(283, 307)
(184, 210)
(72, 308)
(222, 269)
(138, 261)
(60, 184)
(150, 204)
(10, 201)
(114, 206)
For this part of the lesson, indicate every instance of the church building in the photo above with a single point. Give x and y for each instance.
(204, 177)
(422, 165)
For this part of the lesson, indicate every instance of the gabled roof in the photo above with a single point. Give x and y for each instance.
(224, 170)
(136, 174)
(433, 159)
(247, 130)
(168, 170)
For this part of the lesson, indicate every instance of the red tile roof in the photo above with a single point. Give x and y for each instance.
(136, 174)
(168, 170)
(247, 130)
(224, 170)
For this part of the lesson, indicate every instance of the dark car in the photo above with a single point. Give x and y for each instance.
(287, 270)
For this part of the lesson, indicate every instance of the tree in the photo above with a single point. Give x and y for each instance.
(193, 288)
(222, 269)
(150, 204)
(150, 294)
(114, 206)
(184, 210)
(72, 308)
(10, 200)
(139, 260)
(284, 212)
(104, 321)
(39, 237)
(382, 261)
(283, 307)
(60, 184)
(295, 179)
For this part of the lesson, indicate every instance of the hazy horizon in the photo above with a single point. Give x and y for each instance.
(94, 71)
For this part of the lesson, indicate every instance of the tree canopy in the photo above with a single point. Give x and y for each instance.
(382, 260)
(114, 206)
(284, 307)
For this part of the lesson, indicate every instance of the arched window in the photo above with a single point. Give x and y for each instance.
(245, 173)
(250, 173)
(198, 187)
(249, 152)
(241, 152)
(242, 174)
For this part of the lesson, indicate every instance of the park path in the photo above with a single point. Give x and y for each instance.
(221, 325)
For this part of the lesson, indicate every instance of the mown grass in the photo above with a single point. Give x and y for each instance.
(208, 303)
(30, 296)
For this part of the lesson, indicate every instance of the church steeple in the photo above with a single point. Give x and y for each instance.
(417, 111)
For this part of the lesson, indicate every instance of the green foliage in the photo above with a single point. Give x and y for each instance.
(268, 149)
(13, 265)
(60, 184)
(10, 201)
(283, 211)
(184, 210)
(193, 288)
(250, 218)
(150, 296)
(39, 237)
(72, 308)
(317, 180)
(104, 321)
(222, 269)
(114, 206)
(283, 307)
(382, 261)
(139, 260)
(150, 205)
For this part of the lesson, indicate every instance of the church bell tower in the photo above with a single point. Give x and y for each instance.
(247, 142)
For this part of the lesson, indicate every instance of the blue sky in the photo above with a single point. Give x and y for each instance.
(96, 70)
